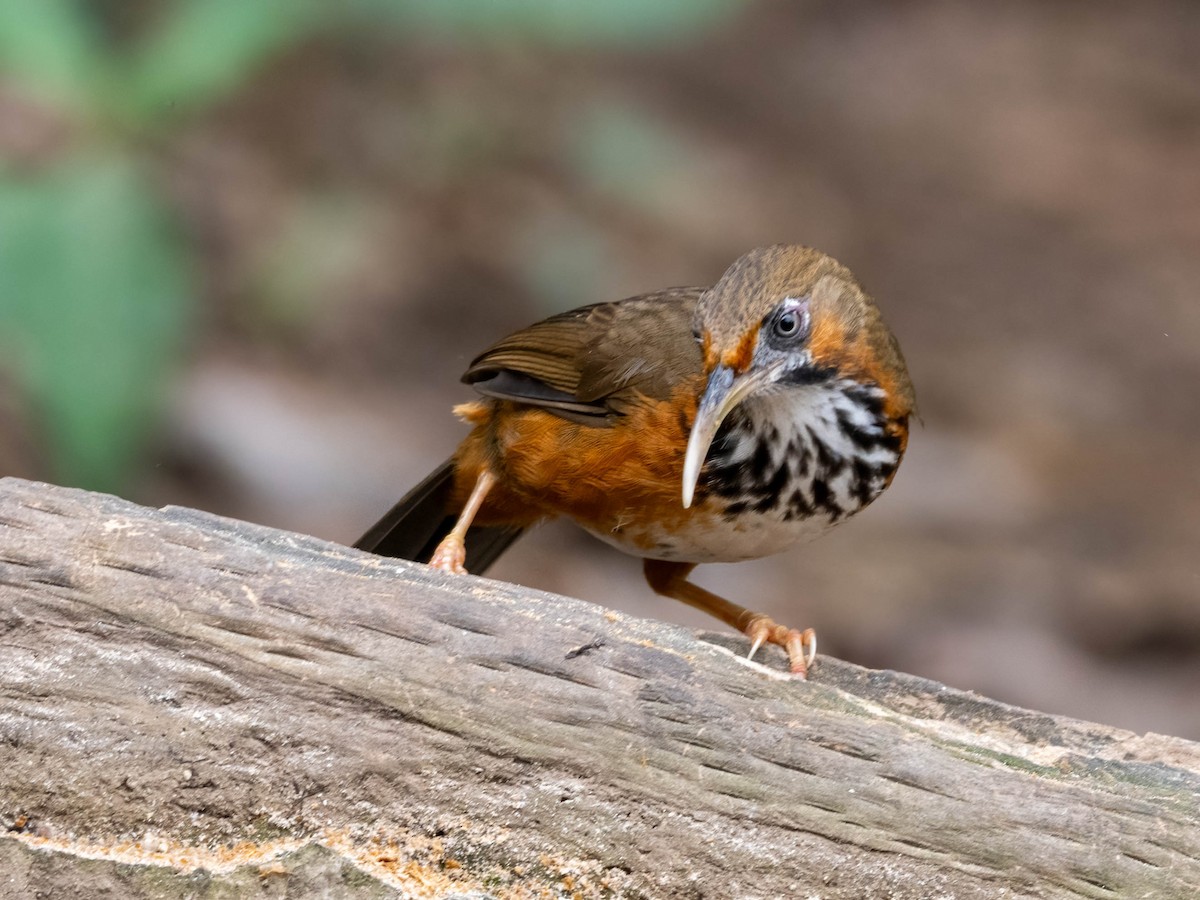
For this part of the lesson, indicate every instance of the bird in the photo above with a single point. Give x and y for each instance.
(685, 426)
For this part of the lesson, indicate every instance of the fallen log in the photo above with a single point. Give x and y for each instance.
(191, 705)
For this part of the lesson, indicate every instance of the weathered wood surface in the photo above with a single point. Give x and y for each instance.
(192, 706)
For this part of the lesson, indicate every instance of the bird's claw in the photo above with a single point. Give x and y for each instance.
(450, 555)
(801, 646)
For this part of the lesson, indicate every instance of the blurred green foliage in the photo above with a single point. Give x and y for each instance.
(562, 22)
(96, 282)
(93, 291)
(623, 152)
(95, 286)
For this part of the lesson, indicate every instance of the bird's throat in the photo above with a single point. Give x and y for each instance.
(809, 451)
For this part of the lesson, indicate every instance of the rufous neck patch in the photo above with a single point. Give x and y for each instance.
(739, 358)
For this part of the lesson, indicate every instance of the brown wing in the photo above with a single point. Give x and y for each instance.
(587, 363)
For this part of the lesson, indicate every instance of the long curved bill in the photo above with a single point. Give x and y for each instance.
(724, 391)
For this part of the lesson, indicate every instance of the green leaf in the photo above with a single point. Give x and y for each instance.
(627, 153)
(51, 45)
(93, 301)
(565, 260)
(572, 22)
(203, 49)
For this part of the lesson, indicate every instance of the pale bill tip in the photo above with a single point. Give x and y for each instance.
(691, 467)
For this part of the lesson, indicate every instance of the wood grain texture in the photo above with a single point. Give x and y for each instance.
(193, 706)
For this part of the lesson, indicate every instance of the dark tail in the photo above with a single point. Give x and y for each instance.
(413, 527)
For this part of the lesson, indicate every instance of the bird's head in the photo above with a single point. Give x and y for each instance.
(787, 317)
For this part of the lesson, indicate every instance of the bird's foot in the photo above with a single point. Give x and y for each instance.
(450, 555)
(801, 646)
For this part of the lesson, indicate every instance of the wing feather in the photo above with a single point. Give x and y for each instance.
(585, 363)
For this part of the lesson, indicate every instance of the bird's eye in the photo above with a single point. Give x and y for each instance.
(787, 324)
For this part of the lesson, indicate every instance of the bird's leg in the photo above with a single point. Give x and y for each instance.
(451, 553)
(671, 580)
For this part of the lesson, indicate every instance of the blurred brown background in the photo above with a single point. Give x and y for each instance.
(366, 202)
